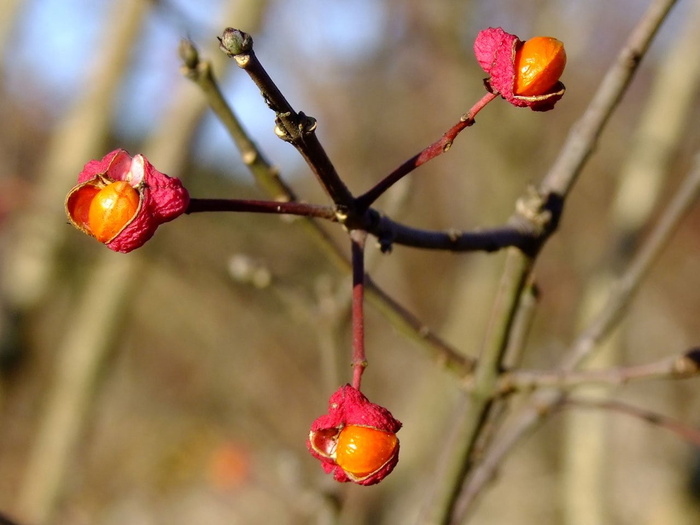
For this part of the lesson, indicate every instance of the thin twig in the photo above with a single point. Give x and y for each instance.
(628, 283)
(256, 206)
(389, 232)
(684, 366)
(437, 148)
(559, 181)
(359, 359)
(584, 135)
(685, 432)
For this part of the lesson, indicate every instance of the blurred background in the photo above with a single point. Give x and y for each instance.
(177, 384)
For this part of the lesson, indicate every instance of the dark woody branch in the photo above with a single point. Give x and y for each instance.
(257, 206)
(519, 232)
(527, 229)
(296, 128)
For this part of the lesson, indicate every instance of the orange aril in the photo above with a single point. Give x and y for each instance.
(111, 209)
(362, 451)
(539, 63)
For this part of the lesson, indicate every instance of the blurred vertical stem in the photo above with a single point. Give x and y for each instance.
(663, 122)
(9, 11)
(443, 507)
(41, 229)
(31, 263)
(81, 355)
(475, 409)
(87, 344)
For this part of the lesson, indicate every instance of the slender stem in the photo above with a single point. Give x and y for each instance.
(684, 366)
(626, 286)
(411, 327)
(685, 432)
(265, 174)
(436, 149)
(256, 206)
(476, 409)
(583, 138)
(359, 359)
(559, 181)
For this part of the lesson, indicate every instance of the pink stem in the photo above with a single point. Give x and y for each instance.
(436, 149)
(359, 360)
(256, 206)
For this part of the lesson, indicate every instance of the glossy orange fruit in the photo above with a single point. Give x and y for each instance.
(111, 209)
(539, 63)
(361, 451)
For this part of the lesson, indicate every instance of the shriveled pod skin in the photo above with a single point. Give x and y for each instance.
(111, 209)
(362, 451)
(78, 206)
(539, 62)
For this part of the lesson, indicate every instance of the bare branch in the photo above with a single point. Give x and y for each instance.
(437, 148)
(255, 206)
(584, 135)
(684, 366)
(685, 432)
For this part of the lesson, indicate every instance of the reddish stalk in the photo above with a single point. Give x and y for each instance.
(256, 206)
(359, 360)
(436, 149)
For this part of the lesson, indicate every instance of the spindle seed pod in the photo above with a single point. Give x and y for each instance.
(121, 200)
(526, 74)
(356, 440)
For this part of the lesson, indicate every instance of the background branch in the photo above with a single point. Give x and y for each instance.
(685, 366)
(198, 205)
(685, 432)
(584, 135)
(529, 417)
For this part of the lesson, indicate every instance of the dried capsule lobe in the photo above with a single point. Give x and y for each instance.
(111, 209)
(539, 63)
(526, 74)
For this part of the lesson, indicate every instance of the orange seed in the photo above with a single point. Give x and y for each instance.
(361, 451)
(111, 209)
(539, 63)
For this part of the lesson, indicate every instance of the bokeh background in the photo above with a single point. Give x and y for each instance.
(176, 384)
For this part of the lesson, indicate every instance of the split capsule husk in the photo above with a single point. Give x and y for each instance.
(526, 74)
(121, 200)
(356, 440)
